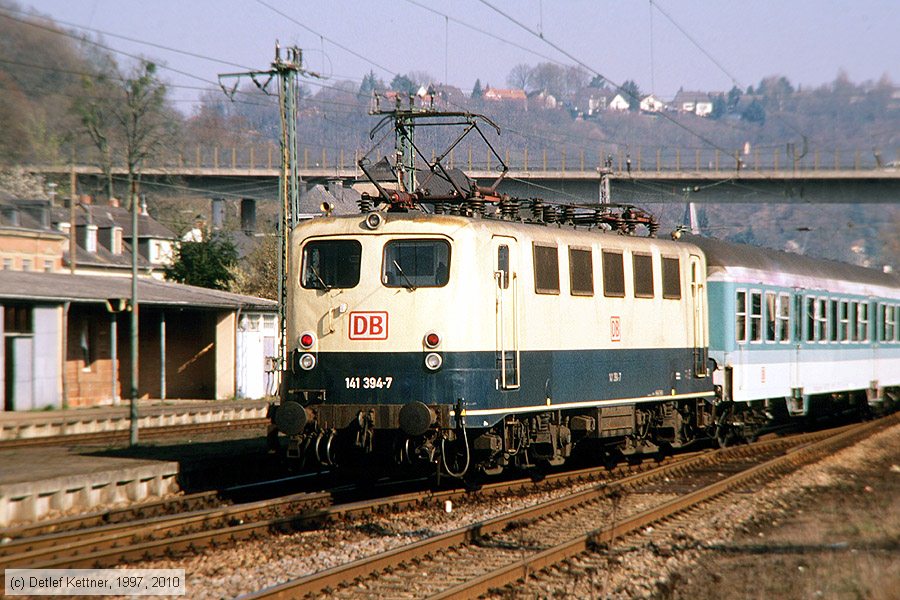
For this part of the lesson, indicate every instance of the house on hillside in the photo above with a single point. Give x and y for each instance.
(510, 96)
(439, 95)
(698, 103)
(542, 100)
(619, 103)
(652, 104)
(591, 101)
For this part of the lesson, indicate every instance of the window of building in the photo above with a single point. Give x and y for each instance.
(416, 263)
(48, 265)
(26, 264)
(740, 314)
(581, 271)
(755, 316)
(671, 278)
(7, 264)
(330, 264)
(784, 317)
(862, 323)
(771, 329)
(17, 319)
(546, 269)
(613, 274)
(643, 275)
(85, 346)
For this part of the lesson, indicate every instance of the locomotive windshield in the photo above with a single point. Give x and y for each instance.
(331, 264)
(416, 263)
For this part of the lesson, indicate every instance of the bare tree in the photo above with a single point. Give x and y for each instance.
(519, 77)
(127, 117)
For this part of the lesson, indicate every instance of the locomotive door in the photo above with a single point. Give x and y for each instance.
(698, 308)
(504, 252)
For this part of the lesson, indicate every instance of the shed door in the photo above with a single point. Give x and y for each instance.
(506, 289)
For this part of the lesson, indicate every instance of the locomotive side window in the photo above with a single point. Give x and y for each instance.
(330, 264)
(671, 278)
(581, 271)
(416, 263)
(740, 313)
(613, 274)
(755, 316)
(546, 269)
(503, 265)
(643, 275)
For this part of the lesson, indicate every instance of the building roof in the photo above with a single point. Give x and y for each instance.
(504, 94)
(108, 216)
(683, 96)
(63, 287)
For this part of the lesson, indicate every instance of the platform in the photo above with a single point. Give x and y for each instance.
(38, 482)
(151, 413)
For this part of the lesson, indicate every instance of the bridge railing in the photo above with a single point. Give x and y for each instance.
(641, 159)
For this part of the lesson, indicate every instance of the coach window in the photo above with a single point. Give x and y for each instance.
(740, 314)
(770, 316)
(784, 317)
(862, 323)
(822, 320)
(416, 263)
(810, 319)
(546, 269)
(581, 271)
(845, 320)
(755, 316)
(834, 320)
(330, 264)
(671, 278)
(613, 274)
(889, 323)
(642, 266)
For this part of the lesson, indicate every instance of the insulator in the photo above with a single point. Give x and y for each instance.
(455, 208)
(365, 203)
(653, 226)
(551, 213)
(475, 206)
(537, 209)
(440, 208)
(509, 208)
(569, 214)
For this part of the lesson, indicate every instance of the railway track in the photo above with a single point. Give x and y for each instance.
(148, 531)
(489, 555)
(119, 436)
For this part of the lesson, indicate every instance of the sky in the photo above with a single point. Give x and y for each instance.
(663, 45)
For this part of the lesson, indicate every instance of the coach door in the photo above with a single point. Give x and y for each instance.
(698, 308)
(506, 291)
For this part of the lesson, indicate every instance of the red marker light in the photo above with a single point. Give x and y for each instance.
(306, 340)
(432, 340)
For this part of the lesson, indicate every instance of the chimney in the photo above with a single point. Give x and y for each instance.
(218, 213)
(248, 216)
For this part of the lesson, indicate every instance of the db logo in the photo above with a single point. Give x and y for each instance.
(615, 329)
(368, 325)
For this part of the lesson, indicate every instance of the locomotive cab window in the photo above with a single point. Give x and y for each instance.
(330, 264)
(643, 275)
(613, 274)
(416, 263)
(546, 269)
(581, 271)
(671, 278)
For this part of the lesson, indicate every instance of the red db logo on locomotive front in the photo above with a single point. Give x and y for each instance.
(369, 325)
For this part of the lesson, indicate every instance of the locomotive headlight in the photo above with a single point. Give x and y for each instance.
(307, 361)
(433, 361)
(306, 340)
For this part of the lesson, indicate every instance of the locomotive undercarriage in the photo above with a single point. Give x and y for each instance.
(420, 437)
